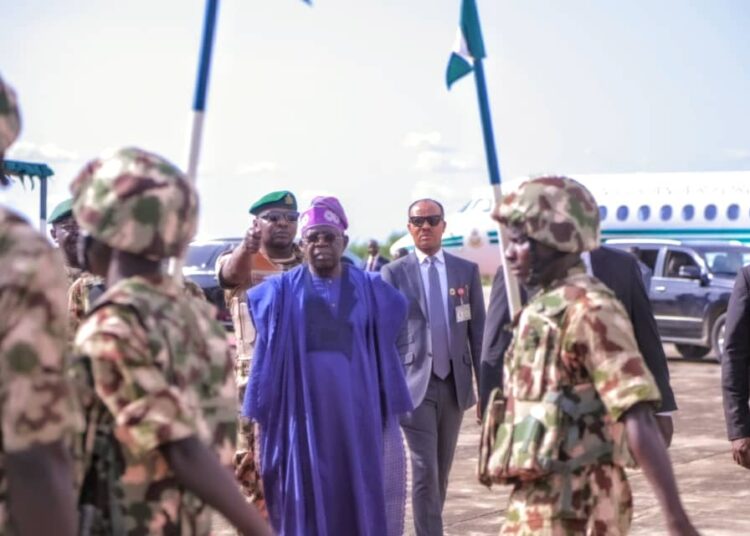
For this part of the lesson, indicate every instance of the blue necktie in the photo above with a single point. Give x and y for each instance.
(441, 363)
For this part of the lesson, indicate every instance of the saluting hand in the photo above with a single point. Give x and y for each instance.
(741, 451)
(251, 241)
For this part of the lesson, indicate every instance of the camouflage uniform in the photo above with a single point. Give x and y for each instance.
(191, 288)
(574, 358)
(36, 406)
(81, 295)
(158, 361)
(244, 332)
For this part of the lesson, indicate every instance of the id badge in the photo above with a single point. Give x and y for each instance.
(463, 312)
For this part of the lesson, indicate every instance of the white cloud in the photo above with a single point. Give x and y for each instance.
(45, 152)
(737, 154)
(438, 162)
(431, 140)
(434, 190)
(433, 156)
(257, 168)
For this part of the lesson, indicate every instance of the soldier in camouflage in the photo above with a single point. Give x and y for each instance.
(161, 417)
(267, 249)
(64, 232)
(83, 286)
(37, 411)
(578, 398)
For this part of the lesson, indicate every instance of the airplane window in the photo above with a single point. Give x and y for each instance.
(666, 212)
(602, 212)
(622, 213)
(710, 212)
(644, 212)
(733, 211)
(688, 211)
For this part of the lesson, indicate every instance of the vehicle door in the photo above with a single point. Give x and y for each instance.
(679, 298)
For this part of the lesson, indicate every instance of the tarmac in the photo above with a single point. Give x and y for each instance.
(715, 491)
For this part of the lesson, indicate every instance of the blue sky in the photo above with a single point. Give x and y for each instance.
(348, 97)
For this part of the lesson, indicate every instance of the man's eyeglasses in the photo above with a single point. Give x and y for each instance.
(327, 236)
(69, 227)
(419, 221)
(277, 216)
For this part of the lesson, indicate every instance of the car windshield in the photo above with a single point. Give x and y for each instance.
(725, 260)
(198, 256)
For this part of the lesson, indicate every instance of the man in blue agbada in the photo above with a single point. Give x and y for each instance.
(326, 388)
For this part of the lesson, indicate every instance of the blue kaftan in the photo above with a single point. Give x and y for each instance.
(326, 388)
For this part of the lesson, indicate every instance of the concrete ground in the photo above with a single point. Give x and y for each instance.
(715, 491)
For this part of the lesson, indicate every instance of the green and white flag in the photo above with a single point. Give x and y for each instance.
(468, 46)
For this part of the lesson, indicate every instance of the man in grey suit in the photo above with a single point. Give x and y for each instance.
(440, 344)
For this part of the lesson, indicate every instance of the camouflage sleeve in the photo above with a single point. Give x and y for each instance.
(602, 336)
(76, 305)
(36, 402)
(223, 258)
(191, 288)
(148, 410)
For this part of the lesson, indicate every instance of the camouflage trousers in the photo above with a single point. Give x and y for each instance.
(601, 504)
(246, 466)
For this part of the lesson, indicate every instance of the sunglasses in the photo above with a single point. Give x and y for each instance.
(327, 237)
(419, 221)
(277, 216)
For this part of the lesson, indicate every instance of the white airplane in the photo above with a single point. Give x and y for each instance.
(682, 206)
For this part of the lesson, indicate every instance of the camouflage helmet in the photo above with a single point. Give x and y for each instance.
(137, 202)
(10, 118)
(556, 211)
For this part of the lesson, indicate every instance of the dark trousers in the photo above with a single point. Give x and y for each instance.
(431, 432)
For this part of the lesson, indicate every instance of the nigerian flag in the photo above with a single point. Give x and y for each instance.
(469, 45)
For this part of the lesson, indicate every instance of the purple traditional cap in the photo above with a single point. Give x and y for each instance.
(324, 211)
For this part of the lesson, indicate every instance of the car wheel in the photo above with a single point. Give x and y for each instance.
(691, 351)
(718, 331)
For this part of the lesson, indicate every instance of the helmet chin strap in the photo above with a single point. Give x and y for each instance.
(542, 270)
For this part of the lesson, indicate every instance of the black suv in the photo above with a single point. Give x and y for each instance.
(200, 263)
(690, 289)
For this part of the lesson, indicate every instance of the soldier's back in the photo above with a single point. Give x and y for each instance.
(162, 368)
(35, 402)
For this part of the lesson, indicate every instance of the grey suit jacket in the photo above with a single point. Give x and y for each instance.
(465, 337)
(620, 272)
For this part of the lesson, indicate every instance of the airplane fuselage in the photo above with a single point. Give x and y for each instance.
(683, 206)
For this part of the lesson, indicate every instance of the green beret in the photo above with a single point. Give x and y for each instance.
(62, 211)
(280, 199)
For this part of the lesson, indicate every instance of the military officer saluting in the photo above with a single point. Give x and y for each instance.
(579, 399)
(83, 286)
(267, 249)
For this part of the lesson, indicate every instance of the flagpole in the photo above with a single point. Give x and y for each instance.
(199, 108)
(511, 285)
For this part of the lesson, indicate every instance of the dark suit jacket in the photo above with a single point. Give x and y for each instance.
(620, 272)
(735, 367)
(465, 337)
(380, 261)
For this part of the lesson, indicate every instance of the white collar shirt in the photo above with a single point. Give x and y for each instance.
(586, 258)
(424, 266)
